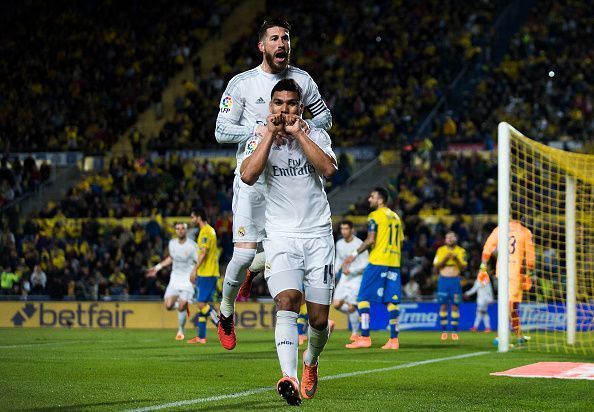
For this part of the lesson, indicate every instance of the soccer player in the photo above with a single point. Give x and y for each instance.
(381, 278)
(243, 112)
(345, 295)
(450, 260)
(299, 246)
(207, 274)
(179, 292)
(520, 260)
(484, 296)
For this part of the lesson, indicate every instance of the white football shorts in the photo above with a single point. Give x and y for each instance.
(348, 288)
(181, 293)
(249, 207)
(301, 264)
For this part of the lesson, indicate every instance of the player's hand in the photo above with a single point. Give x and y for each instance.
(294, 124)
(349, 259)
(151, 273)
(274, 123)
(483, 275)
(527, 281)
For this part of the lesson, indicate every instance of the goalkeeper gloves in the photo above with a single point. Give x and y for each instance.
(483, 275)
(527, 280)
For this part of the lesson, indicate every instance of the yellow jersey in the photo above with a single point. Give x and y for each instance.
(444, 250)
(207, 241)
(388, 237)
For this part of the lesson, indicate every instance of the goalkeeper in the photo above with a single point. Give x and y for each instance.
(520, 266)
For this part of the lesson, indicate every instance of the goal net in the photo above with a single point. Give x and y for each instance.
(551, 193)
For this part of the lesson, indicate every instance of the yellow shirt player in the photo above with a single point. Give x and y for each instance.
(381, 278)
(207, 272)
(520, 260)
(450, 260)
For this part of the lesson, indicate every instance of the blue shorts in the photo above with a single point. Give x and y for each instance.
(380, 284)
(205, 288)
(449, 290)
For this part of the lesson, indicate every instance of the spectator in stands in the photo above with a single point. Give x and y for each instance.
(38, 281)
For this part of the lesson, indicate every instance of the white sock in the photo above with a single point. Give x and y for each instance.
(287, 342)
(234, 277)
(477, 319)
(258, 263)
(354, 318)
(487, 321)
(344, 308)
(315, 345)
(181, 319)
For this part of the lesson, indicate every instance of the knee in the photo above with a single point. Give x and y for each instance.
(182, 306)
(288, 301)
(200, 305)
(169, 306)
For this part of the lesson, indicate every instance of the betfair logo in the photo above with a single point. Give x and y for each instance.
(28, 310)
(83, 315)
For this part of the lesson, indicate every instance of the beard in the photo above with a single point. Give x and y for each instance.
(277, 67)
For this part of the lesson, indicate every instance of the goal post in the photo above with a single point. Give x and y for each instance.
(551, 192)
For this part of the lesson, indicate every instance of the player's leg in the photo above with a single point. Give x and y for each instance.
(353, 291)
(443, 299)
(456, 293)
(255, 268)
(302, 320)
(392, 299)
(371, 284)
(486, 318)
(455, 315)
(182, 314)
(205, 289)
(477, 318)
(318, 287)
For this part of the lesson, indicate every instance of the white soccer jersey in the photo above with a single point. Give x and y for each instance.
(245, 105)
(184, 257)
(345, 249)
(484, 293)
(296, 203)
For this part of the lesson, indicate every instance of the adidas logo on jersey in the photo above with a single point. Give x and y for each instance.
(260, 101)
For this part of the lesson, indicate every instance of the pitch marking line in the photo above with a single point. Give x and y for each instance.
(324, 378)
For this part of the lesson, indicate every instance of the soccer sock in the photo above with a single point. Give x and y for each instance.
(258, 263)
(515, 319)
(443, 319)
(234, 277)
(364, 311)
(202, 317)
(487, 321)
(315, 344)
(302, 319)
(182, 316)
(287, 342)
(455, 317)
(477, 319)
(354, 319)
(202, 326)
(394, 312)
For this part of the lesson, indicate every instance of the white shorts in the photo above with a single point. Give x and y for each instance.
(181, 293)
(249, 207)
(301, 264)
(348, 289)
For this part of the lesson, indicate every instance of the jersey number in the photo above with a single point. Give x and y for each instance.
(394, 233)
(512, 245)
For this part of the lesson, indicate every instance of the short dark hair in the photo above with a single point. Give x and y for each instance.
(287, 85)
(200, 212)
(274, 22)
(383, 193)
(346, 222)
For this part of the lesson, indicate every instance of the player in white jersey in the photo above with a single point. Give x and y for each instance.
(484, 297)
(345, 295)
(183, 254)
(299, 246)
(243, 111)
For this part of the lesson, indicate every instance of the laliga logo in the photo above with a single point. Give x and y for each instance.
(226, 104)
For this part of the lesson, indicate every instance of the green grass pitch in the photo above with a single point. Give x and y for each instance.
(90, 369)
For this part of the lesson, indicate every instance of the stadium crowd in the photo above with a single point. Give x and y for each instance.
(18, 178)
(543, 86)
(76, 76)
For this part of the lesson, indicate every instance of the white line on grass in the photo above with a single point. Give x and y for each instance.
(325, 378)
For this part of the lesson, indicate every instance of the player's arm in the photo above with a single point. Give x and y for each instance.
(322, 118)
(155, 269)
(255, 161)
(202, 252)
(359, 264)
(489, 248)
(473, 290)
(440, 259)
(228, 129)
(320, 160)
(460, 259)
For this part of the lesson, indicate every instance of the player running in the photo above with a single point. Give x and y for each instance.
(381, 278)
(243, 111)
(345, 295)
(184, 257)
(299, 246)
(450, 261)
